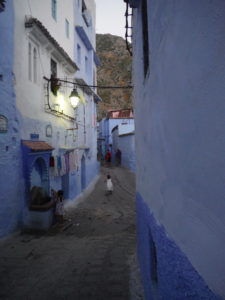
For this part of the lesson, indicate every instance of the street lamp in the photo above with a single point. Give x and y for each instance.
(74, 97)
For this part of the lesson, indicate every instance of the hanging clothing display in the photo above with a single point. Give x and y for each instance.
(63, 166)
(59, 162)
(67, 162)
(55, 169)
(76, 157)
(72, 165)
(51, 162)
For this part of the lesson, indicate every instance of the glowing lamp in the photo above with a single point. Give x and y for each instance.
(74, 97)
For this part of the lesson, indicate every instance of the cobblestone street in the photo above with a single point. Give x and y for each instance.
(89, 257)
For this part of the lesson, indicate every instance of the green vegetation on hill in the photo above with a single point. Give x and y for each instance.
(115, 70)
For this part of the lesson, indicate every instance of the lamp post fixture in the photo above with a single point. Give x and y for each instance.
(74, 97)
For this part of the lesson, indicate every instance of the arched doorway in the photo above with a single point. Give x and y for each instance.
(83, 173)
(39, 185)
(39, 174)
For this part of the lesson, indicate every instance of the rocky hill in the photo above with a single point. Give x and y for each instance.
(115, 70)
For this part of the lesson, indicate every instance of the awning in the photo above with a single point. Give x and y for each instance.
(82, 34)
(97, 98)
(87, 89)
(37, 146)
(84, 86)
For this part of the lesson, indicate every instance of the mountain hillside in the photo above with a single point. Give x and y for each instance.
(115, 70)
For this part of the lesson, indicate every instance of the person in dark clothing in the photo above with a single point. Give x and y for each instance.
(118, 157)
(108, 157)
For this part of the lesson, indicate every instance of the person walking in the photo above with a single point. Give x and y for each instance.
(108, 157)
(118, 157)
(109, 185)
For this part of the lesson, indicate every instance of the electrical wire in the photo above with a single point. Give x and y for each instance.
(92, 86)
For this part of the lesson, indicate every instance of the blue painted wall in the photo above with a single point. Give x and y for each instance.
(105, 129)
(177, 279)
(179, 127)
(115, 140)
(14, 193)
(113, 122)
(11, 179)
(126, 144)
(92, 171)
(74, 178)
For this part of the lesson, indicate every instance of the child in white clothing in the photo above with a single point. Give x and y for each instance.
(109, 185)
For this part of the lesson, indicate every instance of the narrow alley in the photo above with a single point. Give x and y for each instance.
(85, 258)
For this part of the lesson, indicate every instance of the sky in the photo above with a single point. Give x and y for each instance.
(110, 17)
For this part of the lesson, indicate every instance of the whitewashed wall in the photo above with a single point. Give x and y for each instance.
(179, 109)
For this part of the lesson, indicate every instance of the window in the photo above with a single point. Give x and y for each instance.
(54, 9)
(3, 124)
(154, 275)
(145, 36)
(78, 54)
(35, 65)
(55, 85)
(32, 62)
(85, 14)
(83, 6)
(53, 68)
(2, 5)
(67, 26)
(86, 64)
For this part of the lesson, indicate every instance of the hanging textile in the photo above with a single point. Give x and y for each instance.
(76, 156)
(51, 162)
(72, 165)
(55, 169)
(59, 162)
(67, 162)
(63, 166)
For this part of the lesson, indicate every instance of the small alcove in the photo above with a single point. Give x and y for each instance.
(38, 212)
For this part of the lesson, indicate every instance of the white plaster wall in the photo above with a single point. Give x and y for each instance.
(90, 30)
(115, 122)
(179, 109)
(125, 128)
(87, 75)
(42, 10)
(31, 97)
(92, 8)
(87, 136)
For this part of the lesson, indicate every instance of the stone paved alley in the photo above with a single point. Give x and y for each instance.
(92, 256)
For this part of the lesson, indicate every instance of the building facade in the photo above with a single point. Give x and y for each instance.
(178, 63)
(87, 60)
(123, 138)
(106, 125)
(47, 142)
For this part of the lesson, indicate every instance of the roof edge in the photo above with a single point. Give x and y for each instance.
(31, 22)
